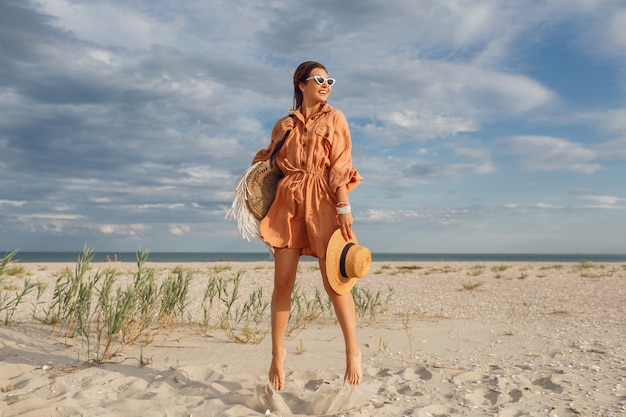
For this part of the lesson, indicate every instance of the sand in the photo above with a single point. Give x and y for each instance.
(453, 339)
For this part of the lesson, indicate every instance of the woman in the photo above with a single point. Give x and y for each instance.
(311, 203)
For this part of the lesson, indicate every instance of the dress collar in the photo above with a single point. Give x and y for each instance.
(325, 108)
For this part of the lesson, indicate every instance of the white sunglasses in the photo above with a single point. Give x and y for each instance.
(321, 80)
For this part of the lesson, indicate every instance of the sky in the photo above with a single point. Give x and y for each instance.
(479, 126)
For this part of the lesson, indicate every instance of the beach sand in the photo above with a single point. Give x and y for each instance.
(452, 339)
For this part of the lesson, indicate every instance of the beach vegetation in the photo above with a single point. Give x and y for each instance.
(587, 265)
(104, 311)
(383, 346)
(242, 323)
(211, 291)
(300, 348)
(108, 316)
(499, 268)
(406, 319)
(410, 267)
(9, 300)
(217, 269)
(555, 266)
(476, 270)
(174, 295)
(407, 269)
(446, 269)
(594, 270)
(369, 304)
(382, 269)
(252, 314)
(144, 360)
(5, 262)
(472, 285)
(69, 293)
(249, 332)
(305, 309)
(15, 270)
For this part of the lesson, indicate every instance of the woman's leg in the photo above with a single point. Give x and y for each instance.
(285, 268)
(346, 314)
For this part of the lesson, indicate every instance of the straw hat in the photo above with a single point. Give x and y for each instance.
(346, 261)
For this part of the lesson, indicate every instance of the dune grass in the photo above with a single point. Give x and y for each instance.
(102, 312)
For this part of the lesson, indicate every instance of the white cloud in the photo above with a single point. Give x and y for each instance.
(544, 153)
(49, 216)
(479, 159)
(108, 24)
(137, 117)
(611, 120)
(476, 24)
(179, 229)
(411, 217)
(616, 35)
(613, 149)
(542, 206)
(603, 201)
(12, 203)
(411, 125)
(131, 230)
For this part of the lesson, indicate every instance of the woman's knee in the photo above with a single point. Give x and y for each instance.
(283, 287)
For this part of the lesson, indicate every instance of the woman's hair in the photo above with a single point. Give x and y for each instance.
(300, 76)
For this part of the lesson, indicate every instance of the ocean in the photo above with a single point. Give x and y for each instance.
(182, 257)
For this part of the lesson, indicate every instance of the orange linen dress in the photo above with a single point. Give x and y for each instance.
(316, 159)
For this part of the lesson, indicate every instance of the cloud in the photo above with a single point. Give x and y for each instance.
(400, 175)
(132, 121)
(408, 125)
(544, 153)
(131, 230)
(413, 217)
(179, 229)
(604, 202)
(542, 206)
(614, 36)
(108, 24)
(613, 149)
(12, 203)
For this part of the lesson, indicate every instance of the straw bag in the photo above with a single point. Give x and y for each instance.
(255, 192)
(261, 184)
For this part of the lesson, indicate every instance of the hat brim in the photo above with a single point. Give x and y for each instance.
(338, 283)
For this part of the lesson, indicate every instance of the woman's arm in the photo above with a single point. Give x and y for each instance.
(345, 219)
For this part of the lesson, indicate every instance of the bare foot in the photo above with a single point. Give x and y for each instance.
(354, 374)
(277, 373)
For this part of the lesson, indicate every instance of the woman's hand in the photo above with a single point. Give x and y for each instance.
(287, 124)
(345, 224)
(345, 219)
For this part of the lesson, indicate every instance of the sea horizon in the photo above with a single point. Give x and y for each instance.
(104, 256)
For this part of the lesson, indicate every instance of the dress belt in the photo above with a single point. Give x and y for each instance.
(294, 184)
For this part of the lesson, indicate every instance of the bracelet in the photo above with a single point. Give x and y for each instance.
(344, 210)
(343, 203)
